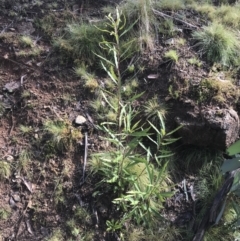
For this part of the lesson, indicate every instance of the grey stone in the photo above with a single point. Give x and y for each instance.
(11, 86)
(16, 197)
(212, 127)
(80, 120)
(9, 158)
(170, 41)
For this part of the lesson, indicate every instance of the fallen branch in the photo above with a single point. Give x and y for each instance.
(164, 15)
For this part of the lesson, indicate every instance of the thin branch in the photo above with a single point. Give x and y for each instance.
(85, 156)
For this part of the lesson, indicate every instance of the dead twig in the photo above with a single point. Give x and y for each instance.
(55, 112)
(21, 81)
(4, 29)
(13, 124)
(22, 216)
(85, 156)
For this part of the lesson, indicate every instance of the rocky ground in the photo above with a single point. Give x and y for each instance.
(45, 189)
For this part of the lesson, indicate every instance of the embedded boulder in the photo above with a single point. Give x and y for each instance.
(212, 127)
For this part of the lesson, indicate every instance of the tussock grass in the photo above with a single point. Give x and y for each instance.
(229, 15)
(25, 129)
(4, 213)
(153, 109)
(90, 81)
(195, 61)
(57, 235)
(26, 41)
(62, 134)
(167, 27)
(195, 157)
(171, 56)
(205, 8)
(170, 4)
(219, 232)
(142, 10)
(24, 160)
(81, 42)
(5, 170)
(210, 180)
(217, 44)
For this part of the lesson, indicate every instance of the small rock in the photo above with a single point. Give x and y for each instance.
(11, 86)
(12, 203)
(170, 41)
(80, 120)
(153, 76)
(9, 158)
(16, 197)
(44, 231)
(168, 98)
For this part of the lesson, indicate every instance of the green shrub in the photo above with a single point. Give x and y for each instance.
(217, 44)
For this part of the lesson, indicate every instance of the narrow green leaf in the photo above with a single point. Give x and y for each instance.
(220, 213)
(171, 132)
(135, 97)
(166, 194)
(152, 140)
(105, 98)
(107, 61)
(140, 133)
(131, 26)
(155, 128)
(109, 73)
